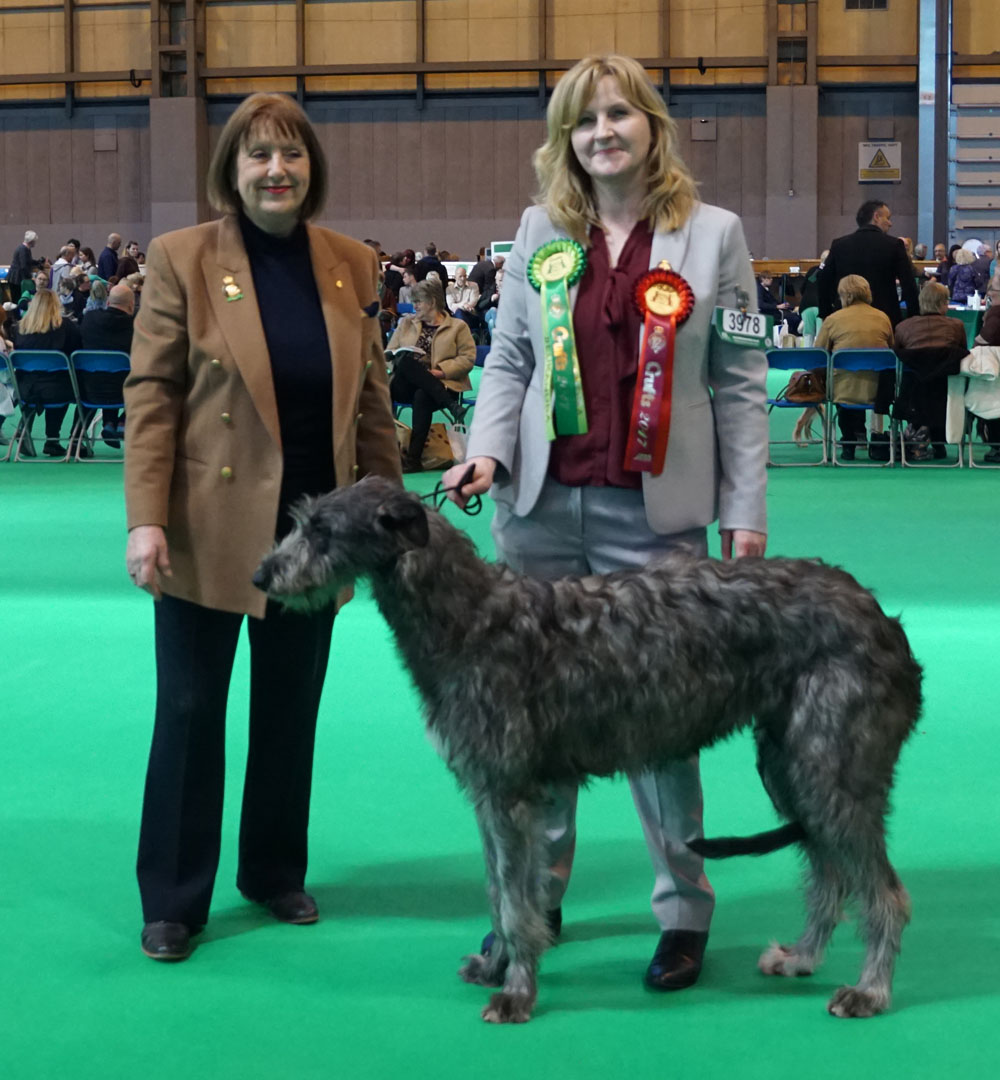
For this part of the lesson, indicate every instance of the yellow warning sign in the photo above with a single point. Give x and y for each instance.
(880, 161)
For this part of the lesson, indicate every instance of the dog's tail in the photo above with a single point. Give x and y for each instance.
(760, 844)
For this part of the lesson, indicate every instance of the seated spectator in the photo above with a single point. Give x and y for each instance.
(434, 375)
(962, 278)
(87, 260)
(462, 297)
(920, 253)
(406, 290)
(109, 329)
(43, 327)
(80, 280)
(482, 275)
(995, 262)
(989, 429)
(39, 280)
(931, 346)
(393, 274)
(809, 300)
(490, 313)
(782, 312)
(98, 298)
(856, 325)
(981, 269)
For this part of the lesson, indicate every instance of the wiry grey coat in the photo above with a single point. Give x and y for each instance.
(527, 683)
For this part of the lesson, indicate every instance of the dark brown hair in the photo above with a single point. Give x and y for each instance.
(274, 113)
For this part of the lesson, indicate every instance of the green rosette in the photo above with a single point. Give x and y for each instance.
(552, 270)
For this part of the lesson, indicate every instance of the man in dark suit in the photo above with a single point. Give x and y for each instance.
(877, 257)
(110, 329)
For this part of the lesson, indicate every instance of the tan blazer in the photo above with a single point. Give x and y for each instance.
(203, 451)
(453, 349)
(858, 326)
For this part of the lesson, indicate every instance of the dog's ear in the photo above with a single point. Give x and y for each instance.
(404, 515)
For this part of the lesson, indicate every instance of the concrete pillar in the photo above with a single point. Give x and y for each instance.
(792, 181)
(178, 158)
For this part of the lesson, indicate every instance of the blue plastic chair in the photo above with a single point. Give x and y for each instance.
(798, 360)
(87, 362)
(404, 309)
(859, 360)
(21, 362)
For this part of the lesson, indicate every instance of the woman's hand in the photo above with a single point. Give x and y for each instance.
(436, 372)
(480, 481)
(739, 542)
(145, 556)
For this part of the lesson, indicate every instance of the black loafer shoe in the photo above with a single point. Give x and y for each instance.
(166, 941)
(53, 448)
(298, 908)
(676, 964)
(553, 918)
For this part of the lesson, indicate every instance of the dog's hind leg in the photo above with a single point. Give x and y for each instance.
(517, 837)
(884, 913)
(825, 896)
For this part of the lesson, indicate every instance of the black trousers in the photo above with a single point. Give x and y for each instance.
(852, 425)
(412, 384)
(182, 809)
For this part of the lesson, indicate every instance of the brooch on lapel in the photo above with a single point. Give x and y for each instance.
(231, 289)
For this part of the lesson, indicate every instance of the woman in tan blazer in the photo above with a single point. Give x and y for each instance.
(257, 378)
(434, 376)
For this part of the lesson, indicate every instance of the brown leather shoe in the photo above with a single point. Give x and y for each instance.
(298, 908)
(676, 964)
(166, 941)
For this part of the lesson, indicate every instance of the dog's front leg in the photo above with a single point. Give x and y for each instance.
(488, 970)
(516, 832)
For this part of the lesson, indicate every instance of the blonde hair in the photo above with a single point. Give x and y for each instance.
(565, 190)
(963, 257)
(854, 289)
(44, 314)
(933, 299)
(429, 291)
(271, 113)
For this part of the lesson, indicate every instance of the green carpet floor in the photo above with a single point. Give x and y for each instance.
(371, 991)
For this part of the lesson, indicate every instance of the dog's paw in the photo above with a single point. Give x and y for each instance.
(508, 1009)
(782, 960)
(851, 1003)
(482, 970)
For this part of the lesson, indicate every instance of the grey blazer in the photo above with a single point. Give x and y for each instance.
(717, 454)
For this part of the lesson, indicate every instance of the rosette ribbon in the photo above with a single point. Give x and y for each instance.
(665, 300)
(552, 270)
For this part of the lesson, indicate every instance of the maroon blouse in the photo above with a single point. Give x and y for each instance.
(606, 325)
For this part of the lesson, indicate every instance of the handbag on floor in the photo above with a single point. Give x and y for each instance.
(438, 453)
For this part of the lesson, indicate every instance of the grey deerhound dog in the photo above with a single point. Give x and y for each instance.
(527, 683)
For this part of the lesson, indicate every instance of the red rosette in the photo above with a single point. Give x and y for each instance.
(664, 294)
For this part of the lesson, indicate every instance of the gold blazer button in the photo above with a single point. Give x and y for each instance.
(226, 472)
(226, 418)
(354, 469)
(216, 363)
(357, 418)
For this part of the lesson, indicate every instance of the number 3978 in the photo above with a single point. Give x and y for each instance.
(739, 322)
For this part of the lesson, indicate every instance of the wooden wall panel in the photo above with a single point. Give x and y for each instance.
(975, 26)
(843, 123)
(15, 167)
(459, 198)
(868, 33)
(384, 166)
(361, 165)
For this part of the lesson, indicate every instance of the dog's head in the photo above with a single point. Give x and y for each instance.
(347, 534)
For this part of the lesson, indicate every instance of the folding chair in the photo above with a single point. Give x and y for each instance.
(857, 360)
(34, 401)
(404, 309)
(923, 359)
(971, 420)
(798, 360)
(91, 369)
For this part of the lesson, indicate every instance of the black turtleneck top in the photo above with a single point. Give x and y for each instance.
(301, 367)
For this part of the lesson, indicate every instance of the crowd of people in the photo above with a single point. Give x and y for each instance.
(866, 293)
(74, 302)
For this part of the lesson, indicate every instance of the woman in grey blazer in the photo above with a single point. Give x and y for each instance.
(574, 493)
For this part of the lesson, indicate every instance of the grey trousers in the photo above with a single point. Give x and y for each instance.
(596, 530)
